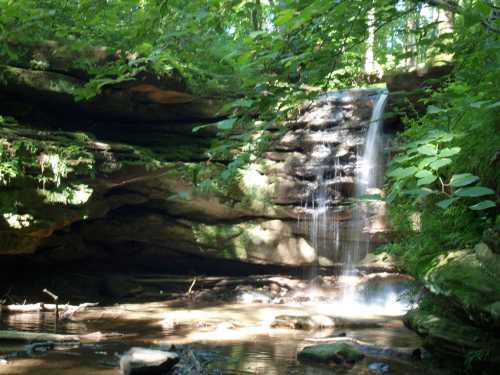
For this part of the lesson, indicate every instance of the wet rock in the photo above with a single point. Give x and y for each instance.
(379, 367)
(381, 262)
(318, 322)
(39, 347)
(303, 322)
(331, 353)
(469, 278)
(447, 333)
(139, 361)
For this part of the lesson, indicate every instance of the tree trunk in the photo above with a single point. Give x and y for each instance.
(369, 56)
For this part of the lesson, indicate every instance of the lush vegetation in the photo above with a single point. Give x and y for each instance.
(443, 186)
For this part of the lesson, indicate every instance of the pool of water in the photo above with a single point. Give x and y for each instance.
(233, 337)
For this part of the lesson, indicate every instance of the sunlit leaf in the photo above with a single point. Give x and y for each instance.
(439, 163)
(423, 174)
(426, 180)
(403, 172)
(426, 161)
(427, 149)
(447, 152)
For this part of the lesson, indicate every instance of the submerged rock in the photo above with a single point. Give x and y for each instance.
(340, 353)
(139, 361)
(379, 367)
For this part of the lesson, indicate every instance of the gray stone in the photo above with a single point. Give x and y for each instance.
(139, 361)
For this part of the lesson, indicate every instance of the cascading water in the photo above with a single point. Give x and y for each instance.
(368, 180)
(334, 173)
(337, 232)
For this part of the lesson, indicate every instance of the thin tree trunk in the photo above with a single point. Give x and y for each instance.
(369, 57)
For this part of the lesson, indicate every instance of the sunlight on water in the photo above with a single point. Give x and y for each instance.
(353, 302)
(354, 305)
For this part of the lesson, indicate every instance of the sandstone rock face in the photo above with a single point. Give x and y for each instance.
(140, 201)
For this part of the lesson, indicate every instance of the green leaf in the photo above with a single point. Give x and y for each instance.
(463, 179)
(426, 180)
(421, 192)
(423, 174)
(403, 172)
(284, 16)
(426, 161)
(226, 124)
(475, 191)
(444, 204)
(494, 105)
(439, 163)
(483, 205)
(446, 152)
(479, 104)
(427, 149)
(434, 109)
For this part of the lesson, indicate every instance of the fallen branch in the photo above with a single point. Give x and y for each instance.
(190, 290)
(44, 307)
(68, 313)
(53, 337)
(373, 349)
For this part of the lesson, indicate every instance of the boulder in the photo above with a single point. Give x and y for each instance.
(339, 353)
(139, 361)
(469, 278)
(378, 262)
(447, 333)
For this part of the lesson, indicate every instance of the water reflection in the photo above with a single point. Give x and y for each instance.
(40, 322)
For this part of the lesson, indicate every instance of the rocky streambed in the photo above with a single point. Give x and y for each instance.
(234, 325)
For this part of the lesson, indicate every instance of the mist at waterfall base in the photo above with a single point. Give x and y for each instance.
(389, 299)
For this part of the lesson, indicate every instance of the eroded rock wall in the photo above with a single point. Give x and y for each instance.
(139, 199)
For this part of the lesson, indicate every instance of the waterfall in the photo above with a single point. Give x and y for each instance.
(368, 180)
(371, 173)
(334, 170)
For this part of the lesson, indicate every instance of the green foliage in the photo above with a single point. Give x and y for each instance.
(443, 183)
